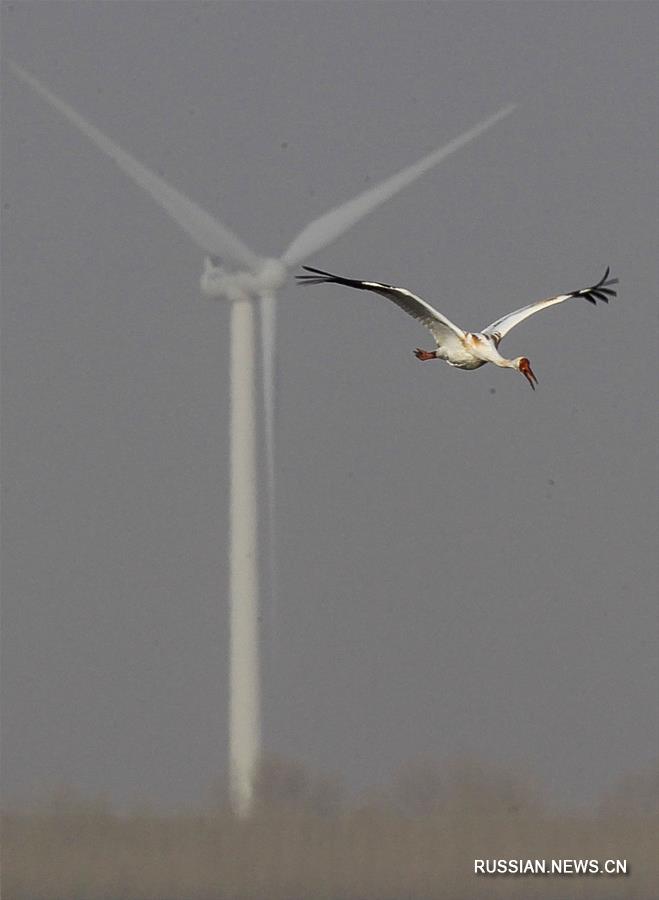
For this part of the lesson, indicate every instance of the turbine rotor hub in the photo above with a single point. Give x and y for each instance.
(220, 282)
(271, 275)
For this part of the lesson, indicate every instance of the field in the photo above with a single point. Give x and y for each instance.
(303, 843)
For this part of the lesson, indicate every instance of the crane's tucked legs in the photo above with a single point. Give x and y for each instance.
(425, 354)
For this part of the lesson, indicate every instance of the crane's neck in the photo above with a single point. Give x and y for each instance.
(483, 347)
(507, 363)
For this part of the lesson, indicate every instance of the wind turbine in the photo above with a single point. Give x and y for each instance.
(250, 278)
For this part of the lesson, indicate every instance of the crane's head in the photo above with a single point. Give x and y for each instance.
(524, 366)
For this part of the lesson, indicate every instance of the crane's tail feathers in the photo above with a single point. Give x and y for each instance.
(600, 291)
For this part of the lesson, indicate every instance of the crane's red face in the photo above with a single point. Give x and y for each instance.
(524, 367)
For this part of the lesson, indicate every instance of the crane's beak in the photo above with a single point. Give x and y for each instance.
(527, 372)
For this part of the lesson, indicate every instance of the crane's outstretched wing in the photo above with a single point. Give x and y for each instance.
(600, 291)
(205, 230)
(443, 330)
(328, 227)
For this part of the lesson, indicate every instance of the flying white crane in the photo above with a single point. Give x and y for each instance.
(465, 349)
(235, 272)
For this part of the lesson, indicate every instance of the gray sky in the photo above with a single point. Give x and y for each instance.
(467, 567)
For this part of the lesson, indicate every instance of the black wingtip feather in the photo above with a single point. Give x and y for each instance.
(600, 291)
(603, 282)
(317, 271)
(319, 276)
(322, 277)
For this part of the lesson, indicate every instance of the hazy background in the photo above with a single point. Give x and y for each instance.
(467, 568)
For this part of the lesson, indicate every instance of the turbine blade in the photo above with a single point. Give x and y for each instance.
(204, 229)
(326, 228)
